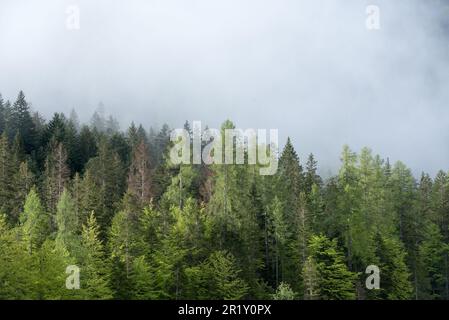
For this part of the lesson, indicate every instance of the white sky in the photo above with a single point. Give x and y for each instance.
(308, 68)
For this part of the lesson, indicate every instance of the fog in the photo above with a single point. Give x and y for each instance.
(311, 69)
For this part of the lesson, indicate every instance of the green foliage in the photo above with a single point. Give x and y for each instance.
(95, 269)
(284, 292)
(223, 274)
(433, 252)
(335, 280)
(395, 276)
(17, 279)
(139, 227)
(68, 225)
(311, 279)
(7, 191)
(141, 279)
(50, 264)
(35, 222)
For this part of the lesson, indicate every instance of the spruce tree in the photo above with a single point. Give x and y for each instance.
(310, 280)
(284, 292)
(17, 279)
(141, 279)
(68, 225)
(395, 276)
(432, 253)
(336, 282)
(57, 175)
(22, 123)
(35, 222)
(224, 277)
(139, 178)
(94, 267)
(7, 170)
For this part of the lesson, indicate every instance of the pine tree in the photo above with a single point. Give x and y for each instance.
(87, 146)
(348, 215)
(74, 120)
(224, 277)
(51, 264)
(395, 276)
(284, 292)
(141, 279)
(183, 186)
(17, 279)
(22, 123)
(35, 222)
(23, 181)
(311, 176)
(290, 174)
(132, 135)
(422, 219)
(111, 126)
(336, 282)
(6, 176)
(280, 235)
(316, 207)
(432, 252)
(310, 280)
(68, 225)
(97, 121)
(168, 263)
(95, 270)
(440, 204)
(57, 176)
(124, 247)
(139, 179)
(2, 115)
(107, 176)
(91, 197)
(304, 228)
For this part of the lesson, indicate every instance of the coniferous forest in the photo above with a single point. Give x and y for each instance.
(109, 202)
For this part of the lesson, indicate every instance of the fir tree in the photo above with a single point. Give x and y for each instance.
(395, 276)
(35, 222)
(224, 277)
(284, 292)
(57, 176)
(95, 270)
(336, 282)
(139, 179)
(68, 225)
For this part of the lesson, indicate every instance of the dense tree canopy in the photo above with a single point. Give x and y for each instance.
(140, 227)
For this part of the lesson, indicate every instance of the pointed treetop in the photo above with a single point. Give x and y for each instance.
(289, 154)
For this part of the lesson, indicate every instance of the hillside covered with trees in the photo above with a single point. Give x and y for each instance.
(138, 227)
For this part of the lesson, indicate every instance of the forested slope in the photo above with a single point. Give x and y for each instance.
(138, 227)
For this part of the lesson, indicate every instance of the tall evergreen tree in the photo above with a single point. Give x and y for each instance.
(95, 269)
(22, 123)
(68, 225)
(35, 222)
(139, 178)
(57, 175)
(335, 280)
(395, 276)
(17, 279)
(6, 176)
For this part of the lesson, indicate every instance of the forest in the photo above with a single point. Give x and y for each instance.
(138, 227)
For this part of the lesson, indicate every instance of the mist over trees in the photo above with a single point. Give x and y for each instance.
(139, 227)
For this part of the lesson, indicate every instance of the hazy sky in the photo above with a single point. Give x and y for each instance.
(308, 68)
